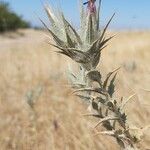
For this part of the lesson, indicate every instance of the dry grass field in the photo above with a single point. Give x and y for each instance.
(29, 67)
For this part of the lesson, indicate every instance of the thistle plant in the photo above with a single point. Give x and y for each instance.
(84, 46)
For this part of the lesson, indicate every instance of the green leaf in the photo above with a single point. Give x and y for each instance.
(98, 14)
(90, 31)
(111, 87)
(124, 117)
(104, 41)
(120, 142)
(94, 76)
(96, 59)
(96, 90)
(74, 31)
(75, 54)
(70, 42)
(48, 12)
(101, 100)
(56, 39)
(86, 98)
(105, 29)
(94, 105)
(110, 104)
(108, 77)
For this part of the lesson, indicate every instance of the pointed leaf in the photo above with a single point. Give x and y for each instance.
(105, 29)
(70, 42)
(96, 59)
(96, 90)
(87, 98)
(104, 41)
(111, 87)
(101, 100)
(56, 39)
(95, 105)
(48, 12)
(125, 102)
(108, 76)
(106, 119)
(89, 32)
(98, 14)
(120, 142)
(94, 76)
(74, 31)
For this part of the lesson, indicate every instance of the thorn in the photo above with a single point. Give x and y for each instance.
(130, 97)
(106, 119)
(110, 133)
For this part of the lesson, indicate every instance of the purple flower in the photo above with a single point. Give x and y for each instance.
(91, 7)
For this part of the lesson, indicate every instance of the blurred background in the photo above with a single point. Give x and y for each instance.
(37, 109)
(129, 14)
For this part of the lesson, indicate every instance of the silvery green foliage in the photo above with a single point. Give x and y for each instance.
(85, 47)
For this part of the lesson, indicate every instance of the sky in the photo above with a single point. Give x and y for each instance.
(130, 14)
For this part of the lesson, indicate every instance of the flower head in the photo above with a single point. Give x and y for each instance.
(91, 6)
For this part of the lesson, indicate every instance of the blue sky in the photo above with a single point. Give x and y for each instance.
(130, 14)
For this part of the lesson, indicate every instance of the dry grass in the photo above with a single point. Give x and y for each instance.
(27, 62)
